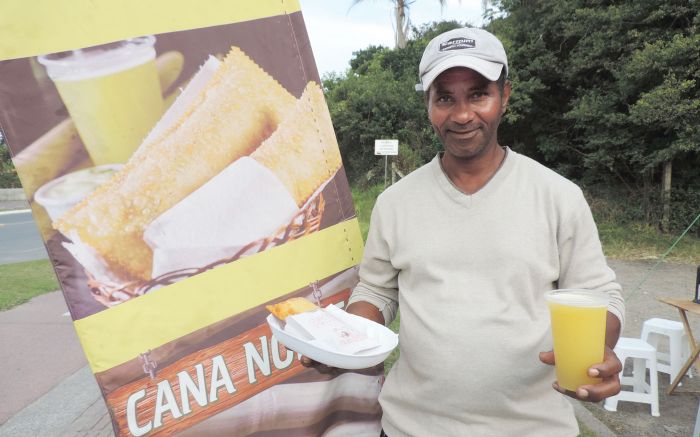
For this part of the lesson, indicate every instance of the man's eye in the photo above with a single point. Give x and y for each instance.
(479, 94)
(444, 99)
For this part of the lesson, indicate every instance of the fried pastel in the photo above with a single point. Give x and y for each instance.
(290, 307)
(303, 152)
(239, 107)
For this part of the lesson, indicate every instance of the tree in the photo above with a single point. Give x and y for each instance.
(8, 175)
(607, 91)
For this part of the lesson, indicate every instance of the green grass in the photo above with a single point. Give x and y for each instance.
(364, 202)
(638, 241)
(20, 282)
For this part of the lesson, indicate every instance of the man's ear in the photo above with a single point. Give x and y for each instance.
(505, 97)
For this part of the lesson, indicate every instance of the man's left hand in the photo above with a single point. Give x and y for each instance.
(608, 371)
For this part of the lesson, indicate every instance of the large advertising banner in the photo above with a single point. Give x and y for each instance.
(182, 167)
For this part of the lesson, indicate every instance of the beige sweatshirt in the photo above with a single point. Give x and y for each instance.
(469, 273)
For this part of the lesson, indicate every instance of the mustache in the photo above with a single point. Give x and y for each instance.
(460, 127)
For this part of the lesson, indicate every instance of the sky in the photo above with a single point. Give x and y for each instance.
(336, 30)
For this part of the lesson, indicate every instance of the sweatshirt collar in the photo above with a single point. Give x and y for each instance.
(491, 185)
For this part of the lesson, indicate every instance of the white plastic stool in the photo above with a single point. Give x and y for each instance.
(679, 348)
(644, 356)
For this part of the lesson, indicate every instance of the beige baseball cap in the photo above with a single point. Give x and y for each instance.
(467, 47)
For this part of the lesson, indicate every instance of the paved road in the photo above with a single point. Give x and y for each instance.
(19, 238)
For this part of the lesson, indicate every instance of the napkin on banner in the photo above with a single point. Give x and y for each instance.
(334, 328)
(242, 204)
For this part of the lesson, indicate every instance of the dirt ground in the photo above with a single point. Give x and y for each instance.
(678, 410)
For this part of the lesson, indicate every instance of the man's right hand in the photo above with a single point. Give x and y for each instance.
(321, 368)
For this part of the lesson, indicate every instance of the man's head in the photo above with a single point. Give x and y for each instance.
(463, 73)
(471, 48)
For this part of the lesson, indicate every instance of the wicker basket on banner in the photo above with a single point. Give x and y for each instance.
(305, 222)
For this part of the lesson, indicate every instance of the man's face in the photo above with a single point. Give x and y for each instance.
(465, 110)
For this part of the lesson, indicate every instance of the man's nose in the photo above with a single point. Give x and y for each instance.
(463, 112)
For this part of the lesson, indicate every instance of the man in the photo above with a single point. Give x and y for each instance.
(467, 246)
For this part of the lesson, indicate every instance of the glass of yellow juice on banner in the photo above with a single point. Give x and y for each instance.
(578, 330)
(111, 92)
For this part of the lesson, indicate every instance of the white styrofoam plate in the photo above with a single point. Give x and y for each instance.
(318, 351)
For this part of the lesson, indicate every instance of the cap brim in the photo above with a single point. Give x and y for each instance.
(490, 70)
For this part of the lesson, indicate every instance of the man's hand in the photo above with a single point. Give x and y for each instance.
(321, 368)
(608, 371)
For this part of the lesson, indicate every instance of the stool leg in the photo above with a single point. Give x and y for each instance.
(654, 388)
(676, 355)
(610, 404)
(639, 370)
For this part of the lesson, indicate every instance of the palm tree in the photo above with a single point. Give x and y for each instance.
(401, 19)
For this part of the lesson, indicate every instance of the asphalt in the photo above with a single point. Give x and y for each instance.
(48, 390)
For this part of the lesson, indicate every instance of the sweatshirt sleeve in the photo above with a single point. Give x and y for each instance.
(378, 277)
(582, 262)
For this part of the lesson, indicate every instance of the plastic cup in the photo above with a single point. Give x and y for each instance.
(578, 330)
(112, 93)
(61, 194)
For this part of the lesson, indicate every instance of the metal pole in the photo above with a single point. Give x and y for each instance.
(386, 161)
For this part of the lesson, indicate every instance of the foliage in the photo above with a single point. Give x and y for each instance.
(8, 175)
(607, 91)
(23, 281)
(604, 92)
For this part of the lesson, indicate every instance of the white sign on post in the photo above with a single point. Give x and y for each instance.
(386, 147)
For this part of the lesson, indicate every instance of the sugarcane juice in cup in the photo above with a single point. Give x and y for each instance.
(578, 330)
(112, 93)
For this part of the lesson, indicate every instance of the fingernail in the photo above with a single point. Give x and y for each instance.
(582, 393)
(593, 372)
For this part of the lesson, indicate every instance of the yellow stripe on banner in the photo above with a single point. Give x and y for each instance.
(119, 334)
(37, 27)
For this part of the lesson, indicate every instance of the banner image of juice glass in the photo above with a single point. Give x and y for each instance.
(578, 330)
(111, 92)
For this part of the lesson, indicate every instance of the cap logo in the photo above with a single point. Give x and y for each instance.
(457, 44)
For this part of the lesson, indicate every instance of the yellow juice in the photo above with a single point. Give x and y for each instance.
(579, 341)
(113, 112)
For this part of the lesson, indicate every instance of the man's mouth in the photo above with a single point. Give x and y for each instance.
(464, 133)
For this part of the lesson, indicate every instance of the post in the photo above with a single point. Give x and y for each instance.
(666, 196)
(386, 166)
(386, 148)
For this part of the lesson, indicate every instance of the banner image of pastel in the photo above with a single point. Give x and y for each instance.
(184, 173)
(232, 166)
